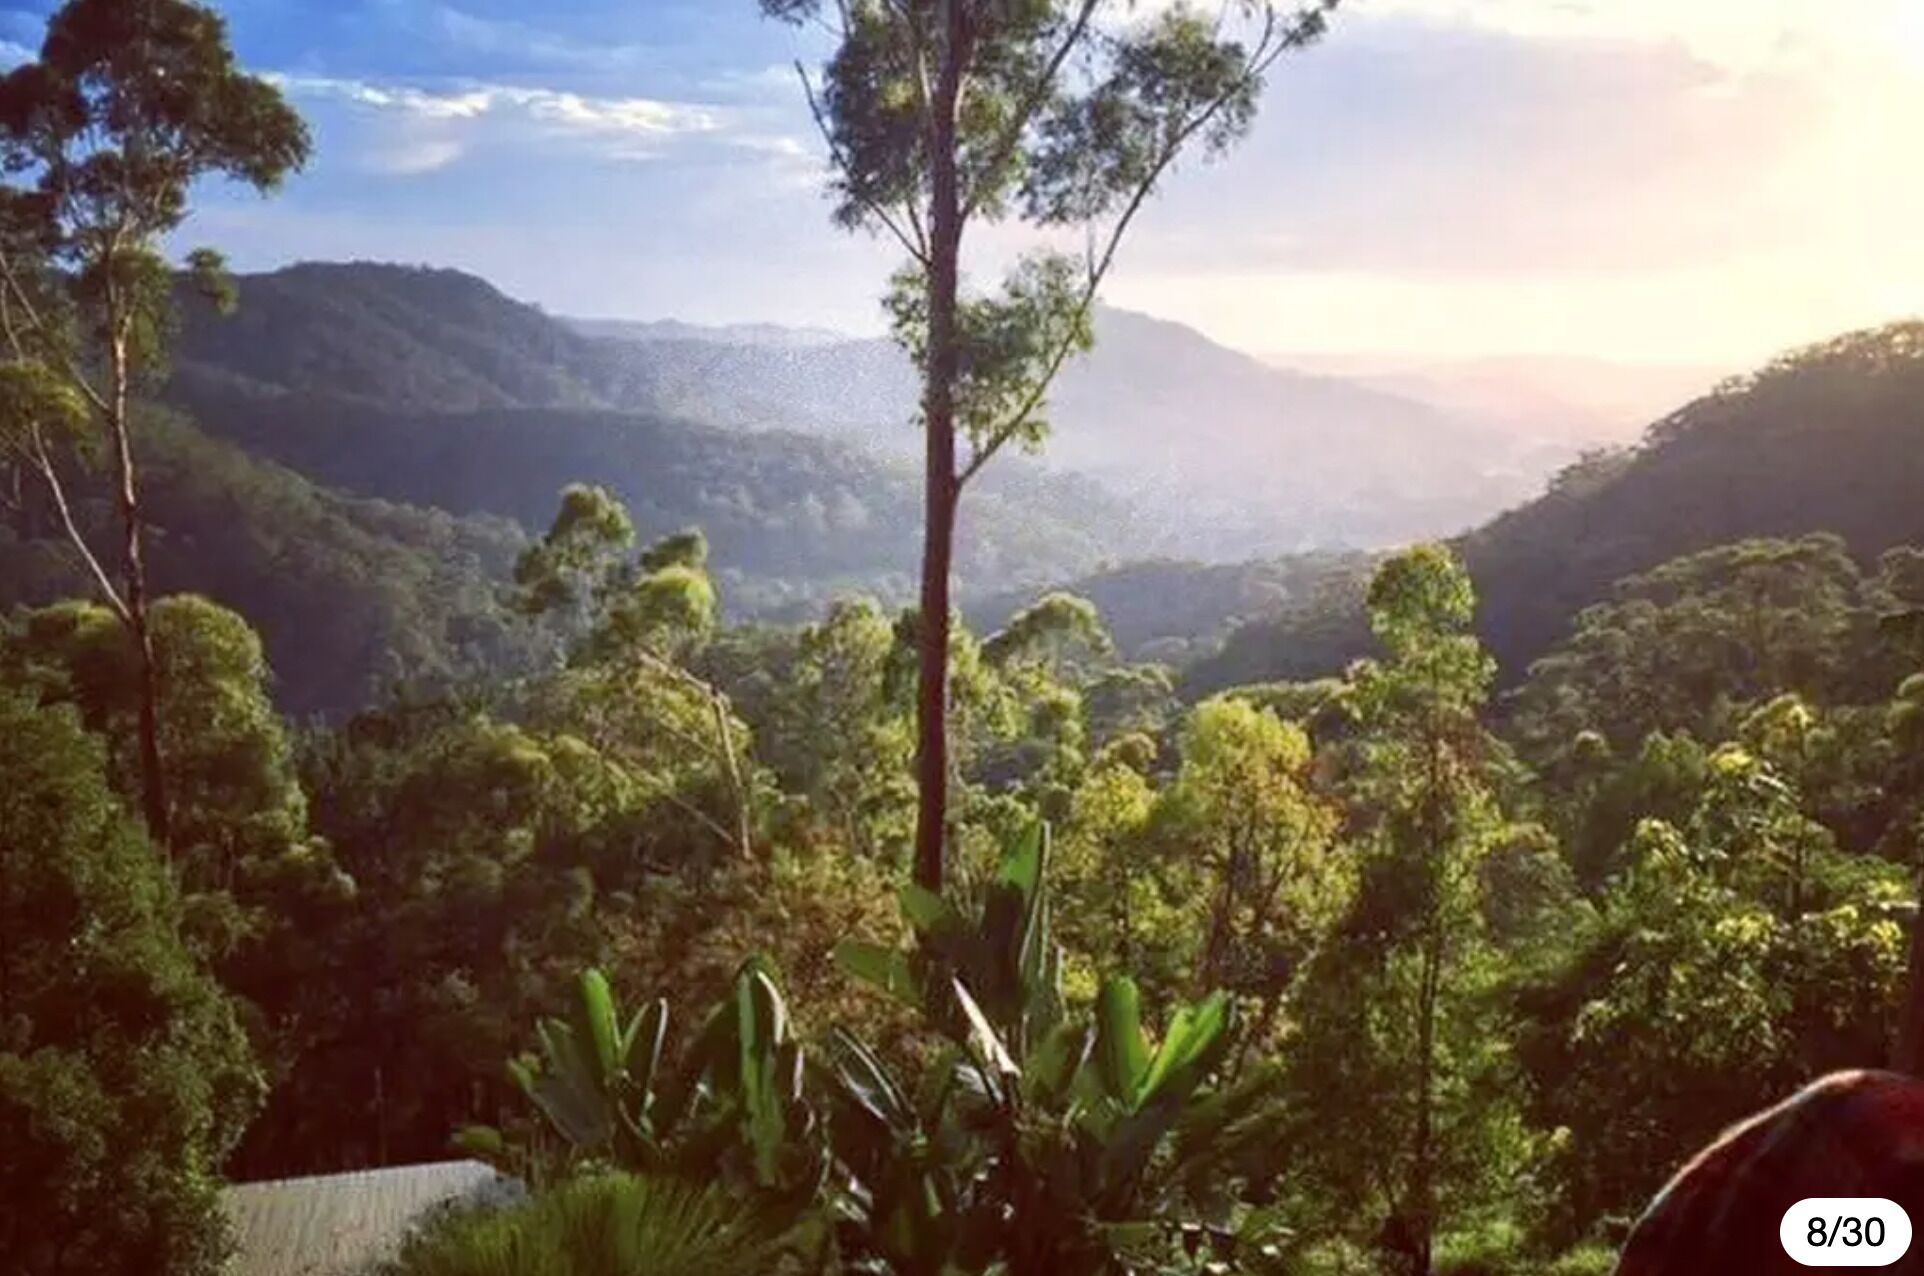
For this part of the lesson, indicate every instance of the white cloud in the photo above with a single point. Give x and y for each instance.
(411, 101)
(410, 158)
(437, 126)
(567, 110)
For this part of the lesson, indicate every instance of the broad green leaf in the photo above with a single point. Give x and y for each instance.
(983, 1041)
(1053, 1064)
(1022, 864)
(597, 1025)
(1008, 914)
(928, 912)
(865, 1081)
(647, 1035)
(884, 968)
(762, 1029)
(482, 1141)
(1121, 1056)
(1193, 1037)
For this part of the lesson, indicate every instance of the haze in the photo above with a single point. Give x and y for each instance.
(1699, 183)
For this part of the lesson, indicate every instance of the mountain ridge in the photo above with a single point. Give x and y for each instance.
(1825, 438)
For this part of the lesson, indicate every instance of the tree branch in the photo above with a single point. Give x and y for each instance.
(725, 738)
(48, 475)
(916, 245)
(1005, 146)
(1306, 27)
(67, 364)
(37, 455)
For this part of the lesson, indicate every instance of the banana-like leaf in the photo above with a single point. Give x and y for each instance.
(521, 1072)
(1188, 1050)
(1122, 1059)
(1051, 1068)
(761, 1033)
(865, 1082)
(565, 1058)
(883, 968)
(578, 1114)
(597, 1026)
(711, 1063)
(1009, 912)
(482, 1142)
(1196, 1040)
(984, 1044)
(929, 913)
(642, 1047)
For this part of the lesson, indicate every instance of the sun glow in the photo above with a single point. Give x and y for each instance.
(1909, 41)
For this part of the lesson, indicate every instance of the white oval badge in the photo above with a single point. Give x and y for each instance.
(1845, 1231)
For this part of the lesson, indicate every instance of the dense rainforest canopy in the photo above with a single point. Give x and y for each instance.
(436, 746)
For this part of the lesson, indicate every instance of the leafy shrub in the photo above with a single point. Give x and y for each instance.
(124, 1075)
(605, 1225)
(1585, 1260)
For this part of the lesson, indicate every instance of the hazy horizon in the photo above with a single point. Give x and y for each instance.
(1436, 181)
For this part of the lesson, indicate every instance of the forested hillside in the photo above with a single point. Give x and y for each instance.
(1826, 439)
(1234, 458)
(354, 598)
(407, 338)
(1177, 610)
(430, 387)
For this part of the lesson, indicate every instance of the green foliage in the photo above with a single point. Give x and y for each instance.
(1240, 857)
(360, 378)
(483, 857)
(1693, 644)
(831, 725)
(1002, 964)
(730, 1106)
(1397, 1061)
(1165, 609)
(1035, 1141)
(1823, 440)
(239, 813)
(1736, 955)
(124, 1075)
(353, 599)
(603, 1225)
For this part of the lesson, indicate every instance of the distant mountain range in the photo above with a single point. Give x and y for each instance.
(1826, 439)
(1233, 457)
(431, 388)
(367, 447)
(1556, 399)
(1164, 442)
(733, 334)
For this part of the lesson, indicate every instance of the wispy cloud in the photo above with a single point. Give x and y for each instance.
(439, 126)
(409, 158)
(572, 111)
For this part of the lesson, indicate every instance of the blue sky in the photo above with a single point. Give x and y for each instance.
(1644, 179)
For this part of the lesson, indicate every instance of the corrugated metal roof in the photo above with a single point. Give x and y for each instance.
(342, 1224)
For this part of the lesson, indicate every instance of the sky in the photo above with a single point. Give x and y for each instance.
(1680, 181)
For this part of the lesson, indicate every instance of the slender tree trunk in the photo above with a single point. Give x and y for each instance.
(1908, 1057)
(940, 490)
(153, 780)
(738, 788)
(1422, 1196)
